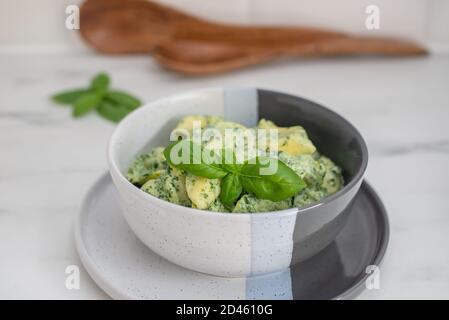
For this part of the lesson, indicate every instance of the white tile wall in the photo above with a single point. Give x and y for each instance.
(28, 24)
(31, 24)
(229, 11)
(438, 25)
(402, 18)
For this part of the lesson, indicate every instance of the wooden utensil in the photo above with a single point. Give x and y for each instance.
(202, 57)
(194, 46)
(137, 26)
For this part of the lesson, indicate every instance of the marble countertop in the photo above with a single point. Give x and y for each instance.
(49, 160)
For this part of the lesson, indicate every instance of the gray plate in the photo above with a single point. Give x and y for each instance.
(126, 269)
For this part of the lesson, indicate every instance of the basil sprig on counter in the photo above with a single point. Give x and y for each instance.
(112, 105)
(236, 178)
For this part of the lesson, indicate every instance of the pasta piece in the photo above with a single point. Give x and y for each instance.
(169, 186)
(147, 166)
(306, 167)
(249, 203)
(217, 206)
(188, 122)
(202, 191)
(293, 140)
(308, 196)
(333, 179)
(223, 125)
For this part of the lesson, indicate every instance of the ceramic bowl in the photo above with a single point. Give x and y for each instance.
(236, 244)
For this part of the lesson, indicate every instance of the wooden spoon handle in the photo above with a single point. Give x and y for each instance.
(354, 46)
(210, 51)
(251, 35)
(205, 57)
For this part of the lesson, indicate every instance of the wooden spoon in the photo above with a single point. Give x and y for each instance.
(201, 58)
(191, 45)
(137, 26)
(208, 57)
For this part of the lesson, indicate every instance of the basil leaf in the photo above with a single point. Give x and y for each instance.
(100, 83)
(69, 97)
(111, 111)
(231, 189)
(86, 103)
(283, 184)
(124, 99)
(202, 164)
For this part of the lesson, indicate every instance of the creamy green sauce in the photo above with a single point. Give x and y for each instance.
(323, 177)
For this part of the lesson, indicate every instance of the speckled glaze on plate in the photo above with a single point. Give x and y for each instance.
(126, 269)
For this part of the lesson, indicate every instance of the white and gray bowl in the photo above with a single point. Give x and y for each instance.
(236, 244)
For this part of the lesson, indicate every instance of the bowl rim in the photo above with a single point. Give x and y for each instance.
(263, 215)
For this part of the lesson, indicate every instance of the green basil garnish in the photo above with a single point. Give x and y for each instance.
(277, 186)
(231, 189)
(283, 184)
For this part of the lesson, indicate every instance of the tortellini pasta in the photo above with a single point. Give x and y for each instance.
(187, 123)
(306, 167)
(292, 140)
(249, 203)
(169, 186)
(308, 196)
(322, 176)
(217, 206)
(147, 166)
(333, 179)
(202, 191)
